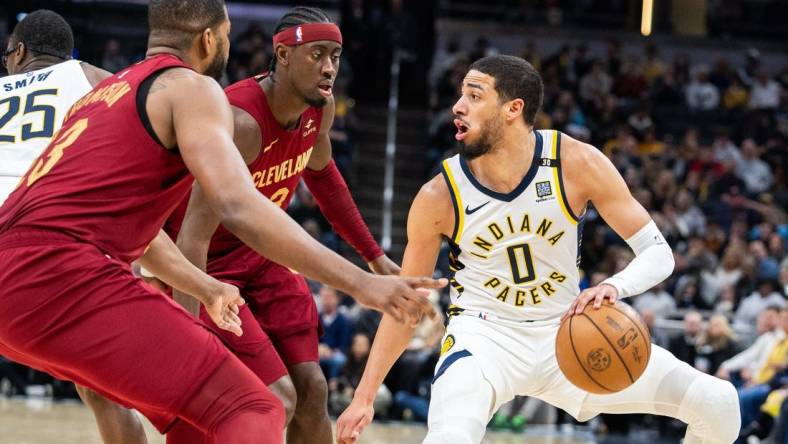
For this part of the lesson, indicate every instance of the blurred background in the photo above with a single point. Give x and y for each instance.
(690, 106)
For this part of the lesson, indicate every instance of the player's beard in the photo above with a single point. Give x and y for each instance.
(218, 64)
(490, 133)
(318, 102)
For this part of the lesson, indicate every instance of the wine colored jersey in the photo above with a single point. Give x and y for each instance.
(104, 179)
(283, 156)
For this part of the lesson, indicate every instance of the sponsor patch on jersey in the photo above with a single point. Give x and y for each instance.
(448, 343)
(544, 189)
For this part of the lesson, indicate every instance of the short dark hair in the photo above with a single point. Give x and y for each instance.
(515, 78)
(184, 18)
(45, 32)
(298, 16)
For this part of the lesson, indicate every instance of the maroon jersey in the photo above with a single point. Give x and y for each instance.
(104, 179)
(278, 167)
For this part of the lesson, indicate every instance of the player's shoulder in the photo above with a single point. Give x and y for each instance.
(181, 82)
(577, 155)
(434, 193)
(432, 211)
(95, 75)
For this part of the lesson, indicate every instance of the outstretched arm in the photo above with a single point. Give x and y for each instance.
(333, 196)
(203, 129)
(599, 180)
(428, 220)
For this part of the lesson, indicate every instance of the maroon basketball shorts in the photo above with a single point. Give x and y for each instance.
(71, 311)
(280, 321)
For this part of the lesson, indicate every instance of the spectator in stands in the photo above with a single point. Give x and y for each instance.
(756, 174)
(306, 212)
(658, 337)
(595, 85)
(342, 388)
(686, 216)
(112, 58)
(653, 65)
(752, 396)
(784, 276)
(736, 96)
(767, 266)
(766, 295)
(765, 92)
(685, 345)
(656, 300)
(701, 94)
(336, 338)
(741, 368)
(716, 344)
(727, 273)
(725, 151)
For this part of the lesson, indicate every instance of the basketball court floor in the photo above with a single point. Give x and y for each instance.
(40, 421)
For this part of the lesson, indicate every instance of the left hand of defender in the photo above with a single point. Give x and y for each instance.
(223, 308)
(597, 294)
(384, 265)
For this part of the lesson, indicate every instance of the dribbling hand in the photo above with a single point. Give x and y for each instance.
(596, 294)
(353, 420)
(223, 308)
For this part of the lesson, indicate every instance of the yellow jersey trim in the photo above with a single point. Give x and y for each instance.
(565, 208)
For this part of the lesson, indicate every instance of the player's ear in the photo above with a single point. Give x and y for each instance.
(514, 109)
(282, 54)
(207, 41)
(21, 52)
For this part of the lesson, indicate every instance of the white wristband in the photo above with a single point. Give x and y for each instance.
(652, 264)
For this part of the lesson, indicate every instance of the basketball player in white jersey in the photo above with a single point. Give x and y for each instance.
(511, 205)
(42, 84)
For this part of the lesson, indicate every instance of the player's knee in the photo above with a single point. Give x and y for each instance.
(717, 404)
(312, 391)
(284, 389)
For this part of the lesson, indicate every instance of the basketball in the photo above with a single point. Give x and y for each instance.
(603, 351)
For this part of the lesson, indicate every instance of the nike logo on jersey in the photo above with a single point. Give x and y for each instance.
(470, 211)
(265, 150)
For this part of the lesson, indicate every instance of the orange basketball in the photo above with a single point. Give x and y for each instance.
(603, 351)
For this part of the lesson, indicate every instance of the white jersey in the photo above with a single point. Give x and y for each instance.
(32, 108)
(514, 255)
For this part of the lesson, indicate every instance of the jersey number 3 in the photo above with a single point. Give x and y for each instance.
(15, 106)
(48, 160)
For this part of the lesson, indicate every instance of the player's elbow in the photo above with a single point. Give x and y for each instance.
(230, 211)
(667, 262)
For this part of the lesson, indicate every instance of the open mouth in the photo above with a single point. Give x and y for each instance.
(462, 129)
(325, 90)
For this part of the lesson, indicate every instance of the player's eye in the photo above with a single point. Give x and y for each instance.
(335, 59)
(316, 55)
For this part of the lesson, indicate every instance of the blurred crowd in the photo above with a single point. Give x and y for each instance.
(702, 148)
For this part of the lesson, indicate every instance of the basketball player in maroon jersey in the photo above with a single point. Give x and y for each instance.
(97, 197)
(282, 123)
(43, 40)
